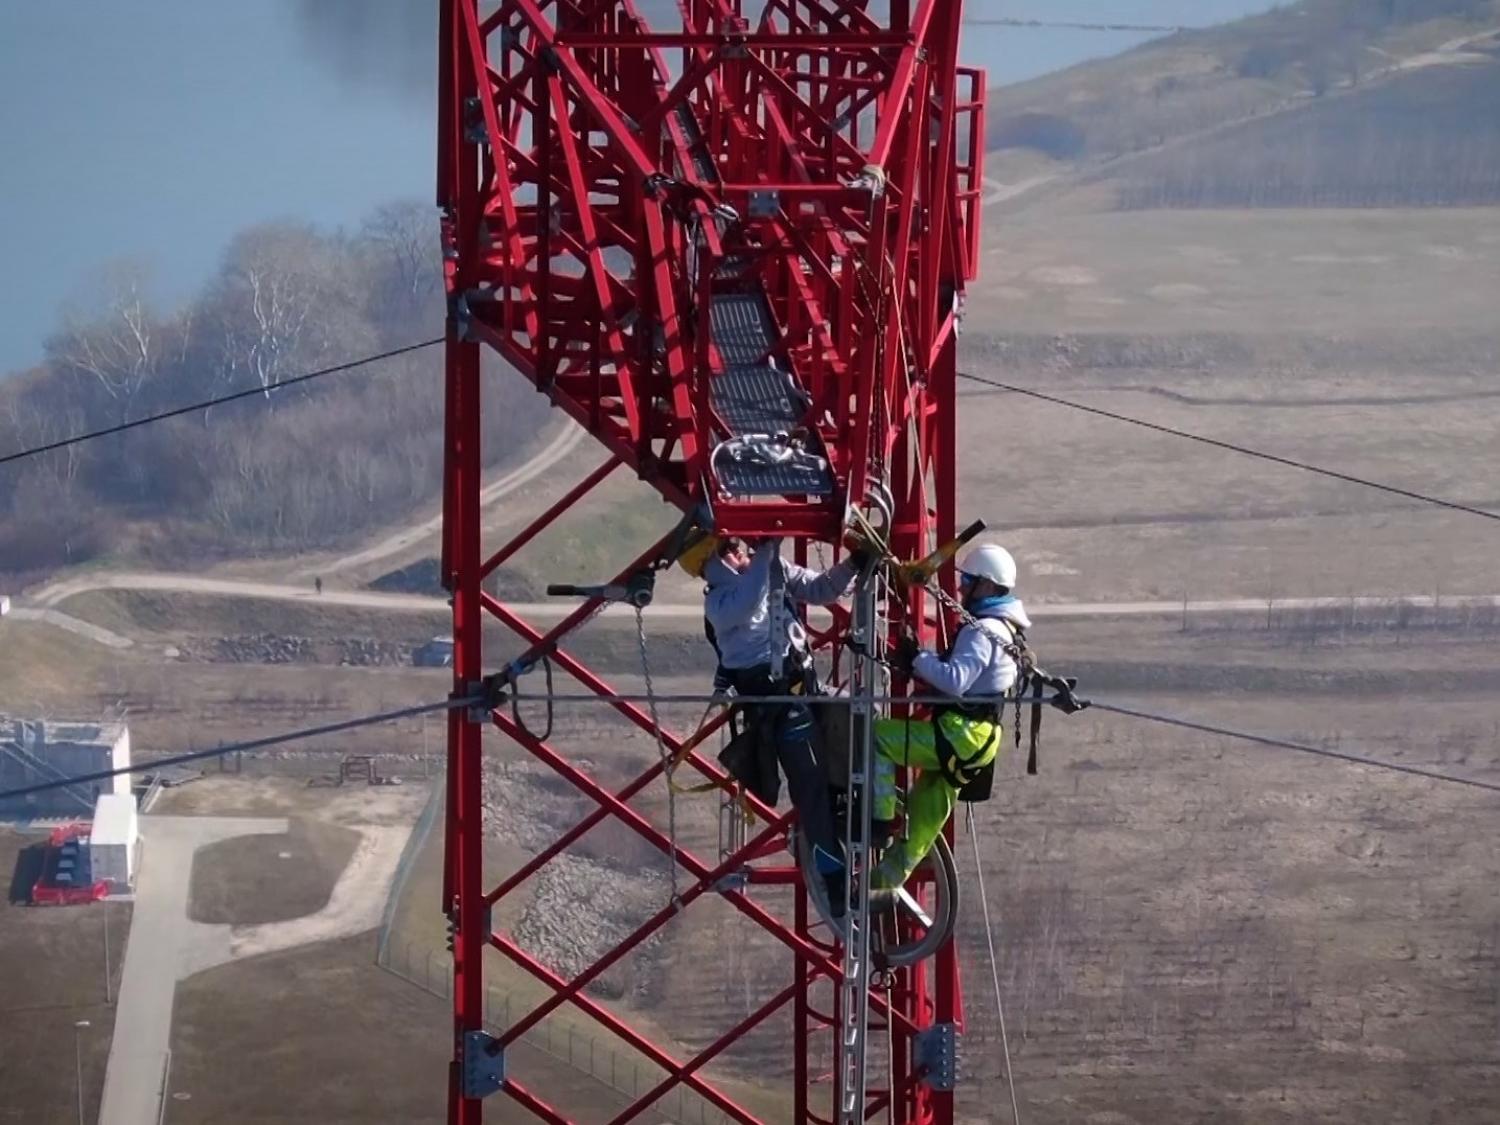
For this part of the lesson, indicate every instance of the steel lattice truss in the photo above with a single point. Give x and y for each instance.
(748, 232)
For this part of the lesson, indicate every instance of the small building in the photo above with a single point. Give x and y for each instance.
(114, 840)
(39, 751)
(4, 604)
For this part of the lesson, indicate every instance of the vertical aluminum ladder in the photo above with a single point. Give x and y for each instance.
(854, 992)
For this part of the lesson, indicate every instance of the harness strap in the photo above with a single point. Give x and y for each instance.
(1036, 722)
(957, 770)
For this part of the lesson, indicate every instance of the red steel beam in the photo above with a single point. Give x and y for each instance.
(547, 518)
(623, 1030)
(562, 256)
(707, 1055)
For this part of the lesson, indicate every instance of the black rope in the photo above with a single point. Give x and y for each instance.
(238, 747)
(1300, 747)
(1289, 462)
(79, 439)
(515, 704)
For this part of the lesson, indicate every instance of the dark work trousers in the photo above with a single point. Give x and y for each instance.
(805, 779)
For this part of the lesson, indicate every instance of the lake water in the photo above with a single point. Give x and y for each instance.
(154, 131)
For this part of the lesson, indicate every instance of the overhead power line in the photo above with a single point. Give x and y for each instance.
(1299, 747)
(1245, 451)
(612, 698)
(1072, 25)
(239, 747)
(192, 408)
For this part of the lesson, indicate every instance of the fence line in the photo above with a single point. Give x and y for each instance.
(413, 848)
(627, 1075)
(429, 970)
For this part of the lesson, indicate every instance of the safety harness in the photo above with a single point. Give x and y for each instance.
(974, 782)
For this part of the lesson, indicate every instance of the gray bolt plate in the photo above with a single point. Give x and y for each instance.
(484, 1073)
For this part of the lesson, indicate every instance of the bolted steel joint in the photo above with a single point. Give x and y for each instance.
(935, 1051)
(483, 1064)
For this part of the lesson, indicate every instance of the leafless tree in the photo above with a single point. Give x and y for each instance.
(404, 234)
(118, 350)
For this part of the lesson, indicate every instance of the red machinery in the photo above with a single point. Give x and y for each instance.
(734, 250)
(66, 878)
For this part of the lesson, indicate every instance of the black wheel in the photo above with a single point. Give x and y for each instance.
(911, 925)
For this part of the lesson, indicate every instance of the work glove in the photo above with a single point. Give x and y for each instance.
(861, 552)
(904, 655)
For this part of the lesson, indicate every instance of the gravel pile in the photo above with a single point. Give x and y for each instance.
(581, 909)
(275, 648)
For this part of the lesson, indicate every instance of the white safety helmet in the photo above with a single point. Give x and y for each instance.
(991, 561)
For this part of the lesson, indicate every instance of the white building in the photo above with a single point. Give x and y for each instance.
(34, 752)
(114, 839)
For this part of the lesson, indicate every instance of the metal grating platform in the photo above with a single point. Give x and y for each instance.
(742, 328)
(757, 400)
(752, 397)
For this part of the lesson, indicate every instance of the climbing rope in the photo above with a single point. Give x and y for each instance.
(662, 752)
(989, 937)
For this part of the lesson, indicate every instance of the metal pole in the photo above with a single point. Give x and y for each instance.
(78, 1027)
(108, 986)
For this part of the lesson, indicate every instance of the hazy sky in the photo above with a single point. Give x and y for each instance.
(154, 131)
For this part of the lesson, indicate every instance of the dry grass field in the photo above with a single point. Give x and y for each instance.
(1072, 264)
(251, 880)
(52, 969)
(1188, 925)
(366, 1046)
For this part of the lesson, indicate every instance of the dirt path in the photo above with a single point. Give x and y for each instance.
(86, 629)
(59, 592)
(567, 440)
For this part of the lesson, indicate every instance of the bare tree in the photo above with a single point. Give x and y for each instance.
(118, 351)
(285, 300)
(404, 234)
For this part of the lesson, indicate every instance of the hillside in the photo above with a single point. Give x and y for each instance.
(301, 468)
(1327, 102)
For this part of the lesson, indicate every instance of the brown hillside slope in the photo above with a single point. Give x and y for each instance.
(1378, 91)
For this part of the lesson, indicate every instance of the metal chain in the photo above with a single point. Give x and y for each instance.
(661, 750)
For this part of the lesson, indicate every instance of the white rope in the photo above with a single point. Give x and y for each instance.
(989, 937)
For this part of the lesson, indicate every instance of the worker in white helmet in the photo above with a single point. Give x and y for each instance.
(960, 740)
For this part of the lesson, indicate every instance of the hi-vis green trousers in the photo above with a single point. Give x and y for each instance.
(930, 800)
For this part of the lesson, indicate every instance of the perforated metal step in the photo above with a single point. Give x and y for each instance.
(757, 400)
(742, 328)
(751, 396)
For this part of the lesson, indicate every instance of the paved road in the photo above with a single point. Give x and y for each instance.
(163, 947)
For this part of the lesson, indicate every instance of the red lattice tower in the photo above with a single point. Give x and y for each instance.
(743, 224)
